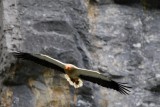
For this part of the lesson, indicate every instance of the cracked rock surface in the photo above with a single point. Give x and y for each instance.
(99, 35)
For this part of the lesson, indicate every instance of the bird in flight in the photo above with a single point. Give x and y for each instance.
(74, 74)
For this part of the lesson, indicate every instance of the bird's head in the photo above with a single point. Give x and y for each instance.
(70, 67)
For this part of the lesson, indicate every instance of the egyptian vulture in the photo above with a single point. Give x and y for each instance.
(73, 73)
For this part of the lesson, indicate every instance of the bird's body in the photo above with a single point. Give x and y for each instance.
(69, 69)
(72, 76)
(73, 73)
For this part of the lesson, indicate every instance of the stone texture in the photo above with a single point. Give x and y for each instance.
(100, 35)
(126, 40)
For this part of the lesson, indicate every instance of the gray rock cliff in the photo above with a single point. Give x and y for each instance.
(99, 35)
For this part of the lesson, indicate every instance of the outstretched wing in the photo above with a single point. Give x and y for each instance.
(42, 60)
(97, 77)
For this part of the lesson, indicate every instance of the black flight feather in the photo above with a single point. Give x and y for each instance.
(120, 87)
(30, 57)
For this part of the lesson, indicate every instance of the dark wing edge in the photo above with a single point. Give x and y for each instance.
(30, 57)
(120, 87)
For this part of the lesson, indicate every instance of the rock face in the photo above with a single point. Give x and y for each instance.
(99, 35)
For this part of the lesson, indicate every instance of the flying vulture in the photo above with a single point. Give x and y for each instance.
(74, 74)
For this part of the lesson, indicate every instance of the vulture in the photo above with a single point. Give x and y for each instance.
(74, 74)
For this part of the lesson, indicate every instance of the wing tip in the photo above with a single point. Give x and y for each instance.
(123, 88)
(15, 53)
(19, 54)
